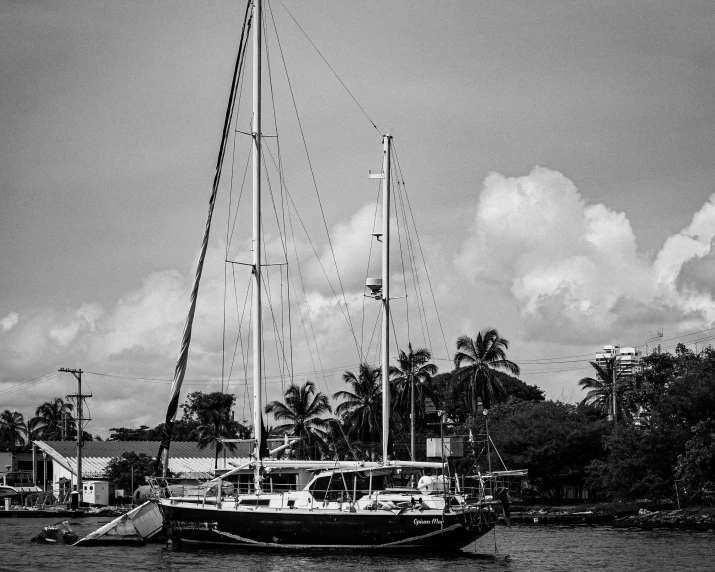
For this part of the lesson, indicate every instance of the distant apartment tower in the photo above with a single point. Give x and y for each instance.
(629, 359)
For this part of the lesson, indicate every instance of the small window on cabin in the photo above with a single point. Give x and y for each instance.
(283, 482)
(330, 489)
(255, 502)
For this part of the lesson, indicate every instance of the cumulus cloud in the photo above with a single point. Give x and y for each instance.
(9, 321)
(84, 319)
(542, 264)
(574, 269)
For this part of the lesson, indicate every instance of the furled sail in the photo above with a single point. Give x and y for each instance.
(180, 369)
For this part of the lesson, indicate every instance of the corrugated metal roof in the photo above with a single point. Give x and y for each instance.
(185, 457)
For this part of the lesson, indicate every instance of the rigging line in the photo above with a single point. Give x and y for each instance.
(320, 369)
(402, 260)
(307, 311)
(421, 309)
(284, 364)
(240, 195)
(367, 270)
(225, 269)
(422, 316)
(302, 284)
(180, 368)
(315, 186)
(419, 244)
(233, 161)
(394, 334)
(345, 311)
(377, 321)
(279, 167)
(275, 211)
(330, 67)
(279, 341)
(228, 228)
(250, 148)
(239, 338)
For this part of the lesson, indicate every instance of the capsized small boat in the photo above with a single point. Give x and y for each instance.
(59, 533)
(136, 527)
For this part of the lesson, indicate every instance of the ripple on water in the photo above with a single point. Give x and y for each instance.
(520, 549)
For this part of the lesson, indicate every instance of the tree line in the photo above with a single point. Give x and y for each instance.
(53, 421)
(662, 444)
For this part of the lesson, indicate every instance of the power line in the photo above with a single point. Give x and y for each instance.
(29, 383)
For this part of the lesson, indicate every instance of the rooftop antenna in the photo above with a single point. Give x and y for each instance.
(658, 336)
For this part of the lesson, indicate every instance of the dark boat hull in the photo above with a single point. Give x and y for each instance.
(428, 531)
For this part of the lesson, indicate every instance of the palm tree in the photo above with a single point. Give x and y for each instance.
(218, 426)
(362, 409)
(12, 428)
(600, 390)
(482, 358)
(413, 365)
(50, 420)
(302, 410)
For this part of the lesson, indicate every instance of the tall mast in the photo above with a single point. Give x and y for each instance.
(257, 325)
(386, 140)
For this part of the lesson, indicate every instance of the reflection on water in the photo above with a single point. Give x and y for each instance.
(520, 549)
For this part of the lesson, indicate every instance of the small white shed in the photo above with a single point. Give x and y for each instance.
(96, 492)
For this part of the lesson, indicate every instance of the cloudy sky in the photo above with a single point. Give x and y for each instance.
(557, 156)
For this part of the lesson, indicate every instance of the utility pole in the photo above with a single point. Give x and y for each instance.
(78, 397)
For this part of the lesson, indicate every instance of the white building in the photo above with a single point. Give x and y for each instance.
(186, 461)
(628, 359)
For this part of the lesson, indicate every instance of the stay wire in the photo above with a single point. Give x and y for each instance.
(419, 244)
(367, 270)
(421, 308)
(305, 298)
(331, 68)
(402, 261)
(413, 271)
(345, 311)
(282, 189)
(239, 339)
(315, 186)
(279, 340)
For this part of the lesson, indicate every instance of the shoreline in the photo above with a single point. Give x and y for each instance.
(700, 518)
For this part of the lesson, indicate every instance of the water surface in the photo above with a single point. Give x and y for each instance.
(520, 549)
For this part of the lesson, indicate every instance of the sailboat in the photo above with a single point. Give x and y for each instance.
(343, 505)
